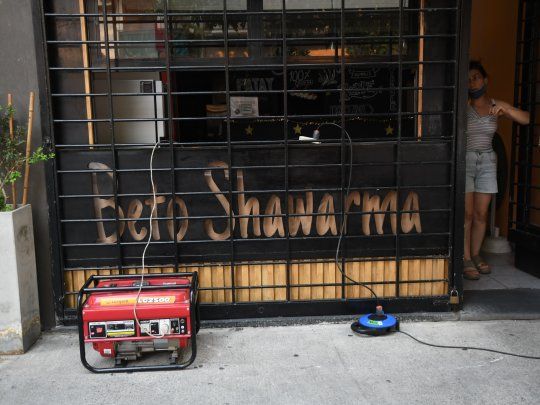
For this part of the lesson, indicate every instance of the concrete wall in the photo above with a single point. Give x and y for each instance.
(22, 71)
(493, 42)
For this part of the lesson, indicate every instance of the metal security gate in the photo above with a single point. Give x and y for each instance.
(233, 91)
(524, 218)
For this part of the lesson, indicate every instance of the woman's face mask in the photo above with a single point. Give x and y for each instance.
(474, 94)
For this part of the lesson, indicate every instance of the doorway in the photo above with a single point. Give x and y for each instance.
(505, 38)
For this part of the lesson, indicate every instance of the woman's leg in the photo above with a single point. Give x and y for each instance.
(469, 269)
(479, 223)
(469, 215)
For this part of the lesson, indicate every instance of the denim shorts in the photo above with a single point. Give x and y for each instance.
(481, 169)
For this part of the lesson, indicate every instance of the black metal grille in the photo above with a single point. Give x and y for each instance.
(525, 203)
(227, 88)
(524, 218)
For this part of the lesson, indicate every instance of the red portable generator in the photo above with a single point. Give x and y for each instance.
(167, 318)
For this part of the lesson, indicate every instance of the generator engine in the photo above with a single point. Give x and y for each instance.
(167, 318)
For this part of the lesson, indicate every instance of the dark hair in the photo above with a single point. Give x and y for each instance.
(476, 65)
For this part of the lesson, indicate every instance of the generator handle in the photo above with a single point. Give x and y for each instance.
(194, 293)
(94, 278)
(134, 288)
(151, 275)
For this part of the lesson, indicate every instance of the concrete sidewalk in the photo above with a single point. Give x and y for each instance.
(305, 364)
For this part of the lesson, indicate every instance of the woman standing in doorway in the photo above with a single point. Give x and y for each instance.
(481, 164)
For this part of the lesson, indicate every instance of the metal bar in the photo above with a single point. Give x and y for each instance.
(113, 141)
(51, 175)
(512, 213)
(343, 153)
(264, 262)
(267, 239)
(265, 117)
(284, 54)
(317, 40)
(239, 92)
(171, 132)
(533, 100)
(248, 12)
(214, 65)
(86, 74)
(315, 214)
(398, 145)
(456, 254)
(263, 287)
(229, 144)
(137, 277)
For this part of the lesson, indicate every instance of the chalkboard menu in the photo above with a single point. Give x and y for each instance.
(371, 99)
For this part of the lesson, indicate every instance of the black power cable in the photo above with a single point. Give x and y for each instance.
(345, 213)
(469, 348)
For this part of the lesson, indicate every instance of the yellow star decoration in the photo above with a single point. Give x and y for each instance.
(297, 129)
(389, 130)
(249, 130)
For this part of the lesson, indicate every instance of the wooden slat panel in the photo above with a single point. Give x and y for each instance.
(295, 269)
(79, 278)
(446, 275)
(414, 274)
(304, 277)
(205, 281)
(390, 275)
(423, 276)
(378, 275)
(280, 278)
(68, 286)
(227, 278)
(219, 275)
(403, 278)
(255, 279)
(429, 271)
(438, 273)
(365, 277)
(218, 282)
(242, 280)
(329, 277)
(317, 269)
(352, 270)
(267, 278)
(338, 278)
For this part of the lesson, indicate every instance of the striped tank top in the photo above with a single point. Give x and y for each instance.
(480, 130)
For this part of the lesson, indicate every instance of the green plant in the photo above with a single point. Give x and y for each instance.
(12, 155)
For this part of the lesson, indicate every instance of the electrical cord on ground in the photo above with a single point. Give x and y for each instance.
(345, 213)
(469, 348)
(154, 204)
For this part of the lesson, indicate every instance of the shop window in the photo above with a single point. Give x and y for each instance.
(236, 84)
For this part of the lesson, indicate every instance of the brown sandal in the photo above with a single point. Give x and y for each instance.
(469, 271)
(481, 265)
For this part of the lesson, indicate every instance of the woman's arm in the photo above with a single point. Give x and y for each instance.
(511, 112)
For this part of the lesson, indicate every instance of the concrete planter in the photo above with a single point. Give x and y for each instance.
(19, 305)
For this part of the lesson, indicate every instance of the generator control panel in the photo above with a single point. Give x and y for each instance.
(164, 326)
